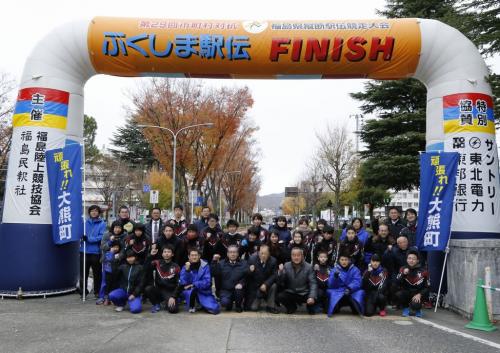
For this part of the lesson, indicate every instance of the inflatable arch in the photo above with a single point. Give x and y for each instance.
(459, 104)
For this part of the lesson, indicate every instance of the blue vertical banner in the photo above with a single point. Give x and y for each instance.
(437, 192)
(65, 189)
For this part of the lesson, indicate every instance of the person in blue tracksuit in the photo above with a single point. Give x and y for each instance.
(130, 277)
(196, 283)
(344, 287)
(110, 263)
(362, 234)
(95, 228)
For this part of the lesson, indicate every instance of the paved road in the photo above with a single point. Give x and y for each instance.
(64, 324)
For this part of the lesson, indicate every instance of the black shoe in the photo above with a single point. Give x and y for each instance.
(238, 309)
(291, 311)
(272, 310)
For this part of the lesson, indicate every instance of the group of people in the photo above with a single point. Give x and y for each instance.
(172, 262)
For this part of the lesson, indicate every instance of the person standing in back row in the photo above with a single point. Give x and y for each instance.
(155, 225)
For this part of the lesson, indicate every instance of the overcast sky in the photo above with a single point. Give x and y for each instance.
(287, 112)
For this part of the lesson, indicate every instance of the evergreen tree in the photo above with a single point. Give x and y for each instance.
(131, 146)
(395, 138)
(89, 133)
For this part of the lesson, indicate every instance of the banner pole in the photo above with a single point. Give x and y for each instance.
(446, 251)
(84, 223)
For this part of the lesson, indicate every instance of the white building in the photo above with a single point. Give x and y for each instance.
(403, 198)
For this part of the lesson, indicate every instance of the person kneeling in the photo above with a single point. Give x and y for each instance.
(230, 273)
(165, 281)
(414, 283)
(375, 281)
(322, 272)
(261, 283)
(130, 278)
(344, 287)
(196, 283)
(298, 282)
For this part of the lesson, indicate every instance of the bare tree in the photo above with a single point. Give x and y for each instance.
(114, 180)
(312, 185)
(337, 159)
(7, 85)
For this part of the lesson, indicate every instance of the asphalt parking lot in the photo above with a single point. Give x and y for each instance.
(65, 324)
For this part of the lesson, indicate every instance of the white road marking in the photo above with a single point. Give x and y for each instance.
(458, 333)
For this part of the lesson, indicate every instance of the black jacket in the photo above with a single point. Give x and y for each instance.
(212, 244)
(354, 249)
(378, 245)
(131, 278)
(330, 246)
(180, 227)
(231, 239)
(263, 274)
(141, 246)
(322, 276)
(416, 281)
(301, 281)
(395, 228)
(188, 244)
(279, 251)
(230, 274)
(376, 280)
(410, 232)
(149, 230)
(264, 234)
(176, 243)
(162, 274)
(394, 260)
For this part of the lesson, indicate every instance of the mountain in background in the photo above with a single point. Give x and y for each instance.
(270, 201)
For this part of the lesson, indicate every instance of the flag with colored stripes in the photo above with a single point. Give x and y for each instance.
(468, 112)
(38, 106)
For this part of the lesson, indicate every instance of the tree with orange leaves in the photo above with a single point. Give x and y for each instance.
(203, 154)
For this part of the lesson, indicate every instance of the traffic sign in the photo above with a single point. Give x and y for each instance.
(146, 188)
(154, 196)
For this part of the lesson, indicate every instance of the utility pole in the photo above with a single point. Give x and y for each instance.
(359, 125)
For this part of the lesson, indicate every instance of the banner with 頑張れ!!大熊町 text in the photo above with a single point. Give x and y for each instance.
(437, 191)
(65, 190)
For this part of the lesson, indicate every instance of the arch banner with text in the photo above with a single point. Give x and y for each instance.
(49, 109)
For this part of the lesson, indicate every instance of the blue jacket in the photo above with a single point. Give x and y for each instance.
(362, 235)
(202, 282)
(285, 236)
(347, 278)
(95, 228)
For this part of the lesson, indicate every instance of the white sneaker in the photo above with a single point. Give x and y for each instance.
(192, 310)
(119, 308)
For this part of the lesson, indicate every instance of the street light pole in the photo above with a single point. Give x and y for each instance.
(174, 162)
(359, 118)
(174, 135)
